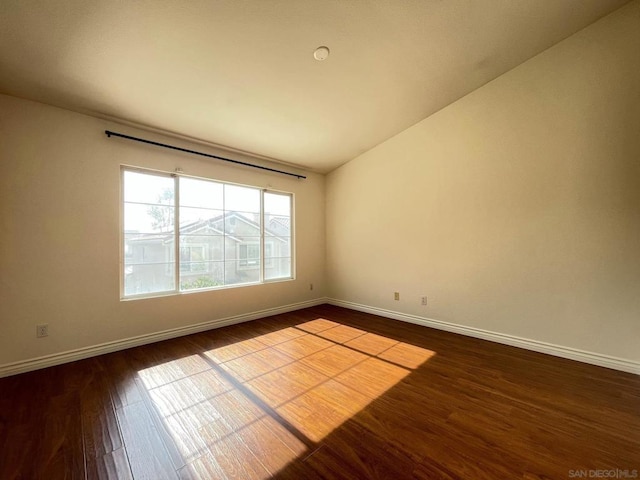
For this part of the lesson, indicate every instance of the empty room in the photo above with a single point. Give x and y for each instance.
(296, 239)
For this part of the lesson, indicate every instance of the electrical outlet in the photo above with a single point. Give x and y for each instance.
(396, 296)
(424, 300)
(42, 330)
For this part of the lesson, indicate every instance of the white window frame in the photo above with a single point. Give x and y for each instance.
(176, 255)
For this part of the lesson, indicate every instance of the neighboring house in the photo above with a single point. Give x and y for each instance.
(223, 250)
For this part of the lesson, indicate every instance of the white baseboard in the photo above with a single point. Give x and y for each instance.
(534, 345)
(528, 344)
(92, 351)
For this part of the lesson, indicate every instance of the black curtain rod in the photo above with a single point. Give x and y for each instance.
(186, 150)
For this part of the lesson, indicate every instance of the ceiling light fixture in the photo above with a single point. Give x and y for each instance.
(321, 53)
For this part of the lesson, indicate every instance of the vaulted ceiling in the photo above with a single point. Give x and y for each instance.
(241, 73)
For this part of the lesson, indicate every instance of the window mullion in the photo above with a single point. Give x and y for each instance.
(262, 249)
(176, 232)
(292, 243)
(224, 234)
(123, 236)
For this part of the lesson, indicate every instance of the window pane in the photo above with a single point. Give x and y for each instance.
(249, 255)
(148, 237)
(210, 247)
(201, 194)
(277, 204)
(192, 259)
(278, 268)
(241, 199)
(277, 247)
(149, 266)
(277, 214)
(235, 274)
(201, 220)
(211, 276)
(242, 225)
(238, 248)
(147, 249)
(276, 225)
(148, 188)
(150, 278)
(143, 218)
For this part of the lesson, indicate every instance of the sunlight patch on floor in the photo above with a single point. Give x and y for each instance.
(247, 409)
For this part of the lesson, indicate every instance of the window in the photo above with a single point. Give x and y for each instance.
(182, 234)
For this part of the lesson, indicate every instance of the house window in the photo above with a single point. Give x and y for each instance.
(249, 255)
(192, 258)
(216, 235)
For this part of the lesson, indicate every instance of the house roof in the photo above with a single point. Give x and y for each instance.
(282, 221)
(210, 225)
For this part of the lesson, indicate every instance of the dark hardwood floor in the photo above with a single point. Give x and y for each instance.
(320, 393)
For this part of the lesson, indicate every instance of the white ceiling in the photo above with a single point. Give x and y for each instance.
(241, 73)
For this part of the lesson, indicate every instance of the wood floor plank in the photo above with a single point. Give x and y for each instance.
(100, 430)
(276, 337)
(371, 343)
(285, 383)
(372, 377)
(256, 364)
(263, 439)
(124, 389)
(341, 333)
(303, 346)
(18, 416)
(345, 456)
(59, 448)
(110, 466)
(334, 360)
(228, 458)
(230, 351)
(236, 409)
(316, 325)
(321, 410)
(147, 454)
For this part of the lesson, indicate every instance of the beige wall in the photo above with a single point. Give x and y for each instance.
(515, 209)
(59, 234)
